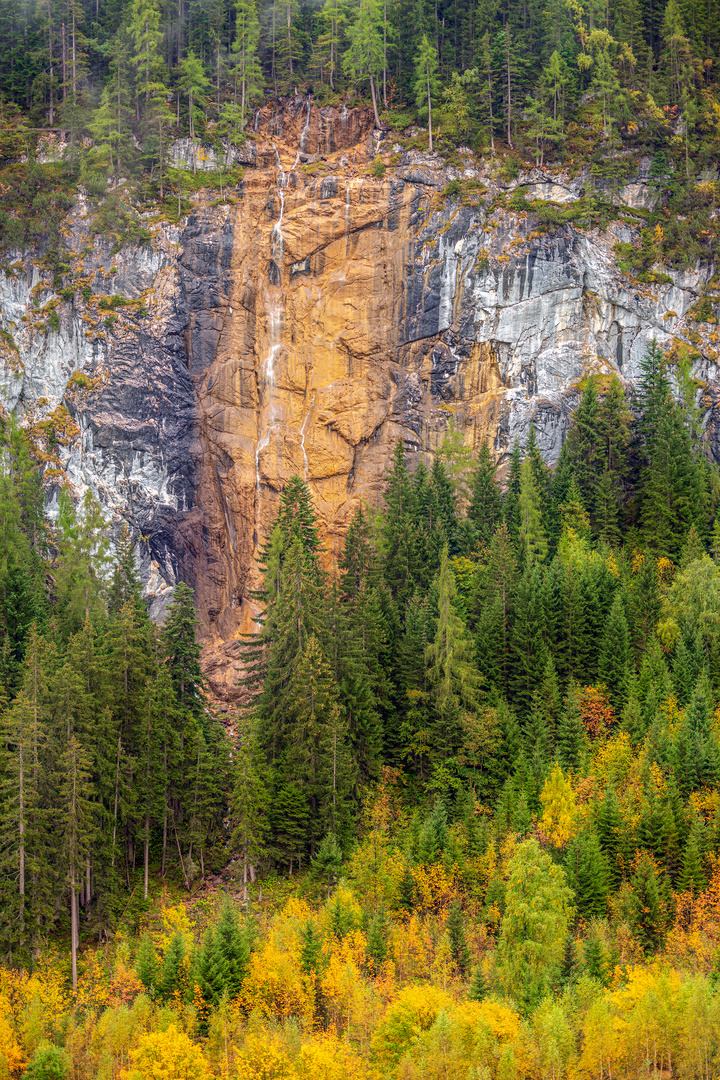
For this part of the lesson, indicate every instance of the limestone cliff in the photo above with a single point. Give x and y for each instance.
(307, 323)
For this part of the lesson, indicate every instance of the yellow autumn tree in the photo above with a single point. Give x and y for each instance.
(558, 821)
(167, 1055)
(329, 1058)
(415, 1009)
(264, 1058)
(11, 1056)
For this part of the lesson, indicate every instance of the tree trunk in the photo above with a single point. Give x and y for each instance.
(21, 828)
(117, 797)
(52, 65)
(429, 113)
(74, 924)
(509, 95)
(375, 111)
(146, 855)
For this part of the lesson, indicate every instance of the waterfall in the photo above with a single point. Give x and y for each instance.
(303, 432)
(269, 416)
(306, 129)
(347, 216)
(447, 285)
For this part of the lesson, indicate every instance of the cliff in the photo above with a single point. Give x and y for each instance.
(306, 323)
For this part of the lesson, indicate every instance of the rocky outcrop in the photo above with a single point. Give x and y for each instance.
(303, 326)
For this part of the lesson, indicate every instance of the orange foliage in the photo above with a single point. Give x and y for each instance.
(695, 935)
(124, 985)
(597, 713)
(11, 1055)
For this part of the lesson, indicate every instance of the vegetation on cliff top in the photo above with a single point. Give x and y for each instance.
(572, 84)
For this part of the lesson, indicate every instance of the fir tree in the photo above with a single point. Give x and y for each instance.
(571, 732)
(485, 509)
(458, 942)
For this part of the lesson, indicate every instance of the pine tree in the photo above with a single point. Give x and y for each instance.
(571, 732)
(250, 801)
(485, 510)
(529, 651)
(75, 797)
(648, 908)
(511, 502)
(458, 942)
(326, 864)
(692, 875)
(247, 72)
(171, 974)
(427, 82)
(182, 651)
(453, 676)
(587, 875)
(614, 656)
(363, 59)
(608, 827)
(146, 965)
(82, 559)
(533, 537)
(193, 82)
(400, 569)
(478, 989)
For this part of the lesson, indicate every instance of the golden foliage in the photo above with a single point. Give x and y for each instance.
(558, 820)
(167, 1055)
(11, 1055)
(415, 1009)
(275, 986)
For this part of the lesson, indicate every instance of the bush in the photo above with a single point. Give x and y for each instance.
(453, 189)
(378, 168)
(49, 1063)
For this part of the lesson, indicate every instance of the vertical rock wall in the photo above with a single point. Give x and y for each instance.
(307, 324)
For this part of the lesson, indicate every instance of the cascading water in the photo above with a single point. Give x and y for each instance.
(303, 433)
(269, 413)
(306, 130)
(447, 285)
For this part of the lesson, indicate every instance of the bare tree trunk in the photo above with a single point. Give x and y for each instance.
(146, 855)
(21, 827)
(374, 101)
(509, 91)
(74, 921)
(429, 114)
(52, 64)
(64, 61)
(117, 797)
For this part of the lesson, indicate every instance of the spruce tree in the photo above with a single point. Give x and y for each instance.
(587, 875)
(458, 942)
(485, 509)
(454, 679)
(692, 875)
(182, 651)
(614, 655)
(571, 735)
(532, 534)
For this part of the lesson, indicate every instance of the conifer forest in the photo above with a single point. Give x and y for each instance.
(461, 820)
(468, 824)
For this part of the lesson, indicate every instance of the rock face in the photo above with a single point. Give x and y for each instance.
(304, 326)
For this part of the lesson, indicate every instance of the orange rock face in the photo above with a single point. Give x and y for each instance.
(310, 372)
